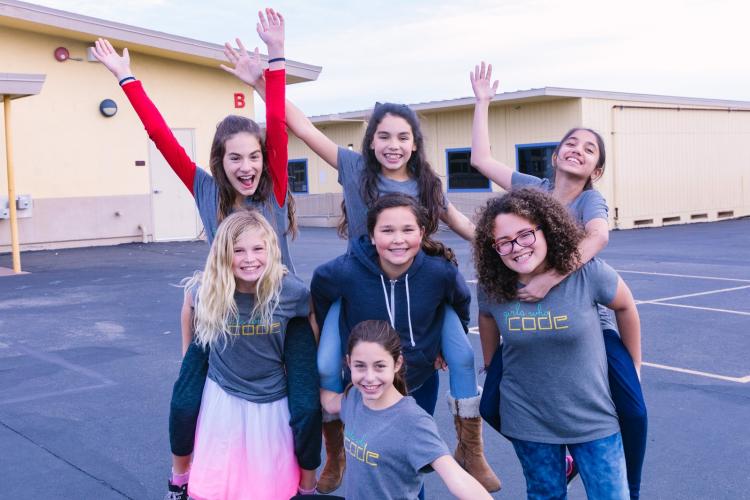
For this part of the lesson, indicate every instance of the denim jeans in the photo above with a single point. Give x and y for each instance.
(457, 352)
(601, 464)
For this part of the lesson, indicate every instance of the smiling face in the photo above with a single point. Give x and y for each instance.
(578, 156)
(373, 370)
(249, 259)
(393, 144)
(243, 163)
(526, 261)
(397, 238)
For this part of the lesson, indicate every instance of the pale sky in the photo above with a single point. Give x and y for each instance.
(416, 51)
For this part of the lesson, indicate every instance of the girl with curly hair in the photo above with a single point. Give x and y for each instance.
(554, 388)
(578, 161)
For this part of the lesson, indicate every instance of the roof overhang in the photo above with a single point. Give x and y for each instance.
(17, 85)
(544, 94)
(30, 17)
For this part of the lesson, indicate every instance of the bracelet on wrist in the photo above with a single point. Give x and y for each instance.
(277, 59)
(127, 79)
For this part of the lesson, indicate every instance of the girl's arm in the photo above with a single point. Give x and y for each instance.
(458, 481)
(331, 401)
(458, 222)
(596, 239)
(156, 127)
(271, 31)
(186, 321)
(481, 153)
(296, 120)
(489, 337)
(628, 322)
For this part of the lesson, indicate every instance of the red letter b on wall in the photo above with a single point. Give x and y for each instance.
(239, 100)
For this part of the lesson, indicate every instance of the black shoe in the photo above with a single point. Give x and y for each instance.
(176, 492)
(571, 469)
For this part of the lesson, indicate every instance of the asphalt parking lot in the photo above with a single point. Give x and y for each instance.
(90, 347)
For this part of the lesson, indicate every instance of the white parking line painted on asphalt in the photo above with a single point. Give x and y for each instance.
(698, 294)
(621, 271)
(738, 380)
(712, 309)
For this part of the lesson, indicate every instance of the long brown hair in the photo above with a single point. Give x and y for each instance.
(430, 187)
(225, 130)
(560, 231)
(599, 163)
(381, 333)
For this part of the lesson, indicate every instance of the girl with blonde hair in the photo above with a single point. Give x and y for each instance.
(244, 302)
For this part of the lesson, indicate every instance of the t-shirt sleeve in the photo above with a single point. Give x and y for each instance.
(277, 139)
(160, 133)
(518, 180)
(350, 165)
(593, 206)
(483, 300)
(601, 280)
(298, 294)
(460, 297)
(425, 443)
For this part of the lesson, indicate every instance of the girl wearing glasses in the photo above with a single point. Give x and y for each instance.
(554, 389)
(578, 161)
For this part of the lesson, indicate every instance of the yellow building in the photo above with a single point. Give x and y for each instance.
(670, 160)
(97, 180)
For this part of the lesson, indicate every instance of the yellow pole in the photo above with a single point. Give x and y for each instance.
(11, 189)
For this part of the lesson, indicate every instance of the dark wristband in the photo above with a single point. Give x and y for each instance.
(126, 80)
(276, 59)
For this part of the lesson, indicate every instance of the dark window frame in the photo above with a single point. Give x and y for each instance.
(302, 161)
(533, 145)
(452, 189)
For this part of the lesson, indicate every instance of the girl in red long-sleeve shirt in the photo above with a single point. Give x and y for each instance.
(245, 171)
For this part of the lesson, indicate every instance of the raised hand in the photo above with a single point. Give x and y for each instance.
(247, 68)
(481, 79)
(271, 30)
(119, 65)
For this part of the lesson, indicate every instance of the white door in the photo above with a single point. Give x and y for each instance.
(173, 210)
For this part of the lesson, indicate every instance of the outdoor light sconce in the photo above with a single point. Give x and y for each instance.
(108, 108)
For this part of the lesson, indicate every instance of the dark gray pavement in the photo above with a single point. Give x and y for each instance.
(90, 345)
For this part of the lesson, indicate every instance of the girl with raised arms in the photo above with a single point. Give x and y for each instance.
(554, 388)
(578, 161)
(390, 441)
(392, 160)
(246, 170)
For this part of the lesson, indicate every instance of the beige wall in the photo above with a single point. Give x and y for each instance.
(667, 166)
(65, 150)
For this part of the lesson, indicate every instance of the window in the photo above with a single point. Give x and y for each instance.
(536, 159)
(461, 175)
(298, 176)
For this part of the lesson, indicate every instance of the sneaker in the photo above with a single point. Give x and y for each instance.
(571, 469)
(176, 492)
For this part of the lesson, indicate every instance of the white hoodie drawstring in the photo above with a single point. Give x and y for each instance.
(390, 306)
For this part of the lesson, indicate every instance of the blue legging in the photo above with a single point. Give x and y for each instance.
(455, 344)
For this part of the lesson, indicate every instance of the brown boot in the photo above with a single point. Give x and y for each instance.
(470, 450)
(333, 471)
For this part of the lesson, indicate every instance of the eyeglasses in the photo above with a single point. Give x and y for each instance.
(522, 240)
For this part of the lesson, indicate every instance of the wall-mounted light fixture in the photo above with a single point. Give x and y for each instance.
(108, 108)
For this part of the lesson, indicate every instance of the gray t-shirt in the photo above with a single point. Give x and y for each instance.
(387, 451)
(554, 387)
(351, 166)
(587, 206)
(250, 365)
(207, 199)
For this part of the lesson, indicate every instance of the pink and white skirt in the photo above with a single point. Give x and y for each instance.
(243, 450)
